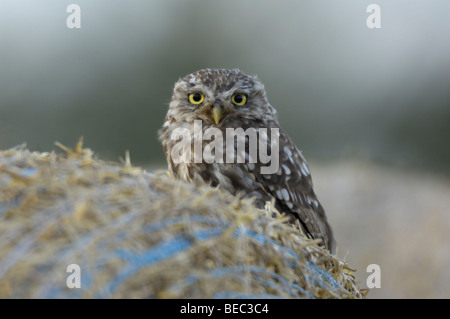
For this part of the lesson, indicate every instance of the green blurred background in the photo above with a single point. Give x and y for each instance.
(344, 92)
(340, 87)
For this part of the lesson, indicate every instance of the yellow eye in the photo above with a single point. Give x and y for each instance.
(239, 99)
(196, 98)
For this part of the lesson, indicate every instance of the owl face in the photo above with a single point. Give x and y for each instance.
(218, 97)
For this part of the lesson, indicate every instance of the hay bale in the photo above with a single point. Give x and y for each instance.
(138, 234)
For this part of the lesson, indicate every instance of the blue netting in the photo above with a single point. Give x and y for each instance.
(167, 249)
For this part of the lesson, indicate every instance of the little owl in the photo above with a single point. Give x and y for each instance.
(221, 99)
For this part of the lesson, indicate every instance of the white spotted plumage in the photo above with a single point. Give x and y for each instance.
(291, 185)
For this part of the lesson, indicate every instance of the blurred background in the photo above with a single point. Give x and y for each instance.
(370, 108)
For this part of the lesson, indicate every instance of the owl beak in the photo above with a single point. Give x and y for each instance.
(217, 113)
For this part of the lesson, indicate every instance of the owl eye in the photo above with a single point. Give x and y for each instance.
(196, 98)
(239, 99)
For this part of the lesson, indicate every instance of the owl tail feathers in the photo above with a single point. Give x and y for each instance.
(326, 233)
(328, 239)
(316, 226)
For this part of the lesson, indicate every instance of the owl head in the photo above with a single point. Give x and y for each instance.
(222, 98)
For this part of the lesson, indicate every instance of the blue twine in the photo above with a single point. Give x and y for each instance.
(158, 253)
(182, 220)
(166, 249)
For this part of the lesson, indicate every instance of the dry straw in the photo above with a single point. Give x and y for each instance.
(138, 234)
